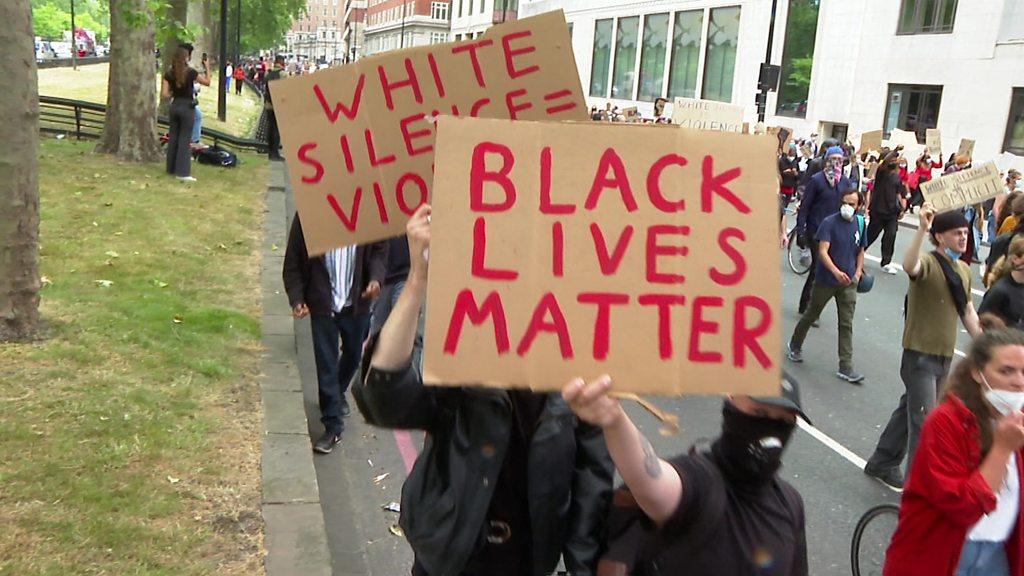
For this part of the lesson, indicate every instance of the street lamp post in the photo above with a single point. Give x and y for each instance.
(401, 41)
(222, 90)
(764, 83)
(74, 45)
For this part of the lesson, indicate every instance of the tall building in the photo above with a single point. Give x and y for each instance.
(848, 66)
(354, 23)
(395, 24)
(471, 17)
(317, 34)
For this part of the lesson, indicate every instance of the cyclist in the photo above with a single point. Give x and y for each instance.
(960, 512)
(821, 199)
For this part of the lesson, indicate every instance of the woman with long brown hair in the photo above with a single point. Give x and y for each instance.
(1005, 296)
(178, 85)
(961, 509)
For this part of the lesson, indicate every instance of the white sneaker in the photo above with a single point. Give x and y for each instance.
(891, 269)
(186, 179)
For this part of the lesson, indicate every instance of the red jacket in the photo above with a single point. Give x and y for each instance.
(945, 497)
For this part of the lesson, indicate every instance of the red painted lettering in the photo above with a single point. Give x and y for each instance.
(654, 184)
(609, 263)
(745, 338)
(664, 302)
(382, 208)
(390, 87)
(471, 48)
(547, 307)
(417, 180)
(738, 261)
(602, 323)
(610, 162)
(479, 268)
(474, 111)
(305, 158)
(346, 151)
(699, 326)
(349, 222)
(339, 108)
(557, 250)
(479, 174)
(654, 250)
(546, 205)
(513, 108)
(410, 136)
(465, 307)
(436, 74)
(711, 184)
(510, 53)
(371, 150)
(559, 107)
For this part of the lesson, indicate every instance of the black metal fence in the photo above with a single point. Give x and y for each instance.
(84, 120)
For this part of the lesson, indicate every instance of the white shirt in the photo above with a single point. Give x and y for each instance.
(997, 526)
(341, 267)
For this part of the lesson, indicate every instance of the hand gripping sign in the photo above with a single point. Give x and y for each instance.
(359, 139)
(576, 249)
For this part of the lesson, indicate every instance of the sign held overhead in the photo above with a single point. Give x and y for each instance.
(964, 188)
(707, 115)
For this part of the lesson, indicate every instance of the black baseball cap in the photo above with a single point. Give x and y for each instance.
(789, 396)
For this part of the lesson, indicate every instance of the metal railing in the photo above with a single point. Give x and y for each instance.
(85, 120)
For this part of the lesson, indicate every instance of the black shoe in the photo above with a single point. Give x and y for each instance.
(850, 376)
(345, 409)
(891, 477)
(326, 442)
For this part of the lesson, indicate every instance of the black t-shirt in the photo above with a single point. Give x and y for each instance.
(1005, 299)
(885, 196)
(720, 531)
(185, 90)
(791, 179)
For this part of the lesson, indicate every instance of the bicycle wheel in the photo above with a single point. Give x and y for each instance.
(871, 539)
(793, 256)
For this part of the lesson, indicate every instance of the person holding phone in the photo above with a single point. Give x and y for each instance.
(177, 85)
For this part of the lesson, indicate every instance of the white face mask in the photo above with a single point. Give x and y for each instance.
(1005, 401)
(847, 211)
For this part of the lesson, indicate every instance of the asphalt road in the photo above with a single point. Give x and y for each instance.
(824, 463)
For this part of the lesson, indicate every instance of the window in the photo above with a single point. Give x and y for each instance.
(652, 57)
(720, 58)
(1015, 124)
(625, 57)
(927, 17)
(914, 108)
(460, 8)
(797, 58)
(438, 37)
(686, 34)
(439, 10)
(601, 58)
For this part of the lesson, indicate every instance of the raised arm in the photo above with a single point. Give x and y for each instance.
(912, 258)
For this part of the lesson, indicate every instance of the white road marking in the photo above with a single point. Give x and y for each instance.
(974, 291)
(837, 448)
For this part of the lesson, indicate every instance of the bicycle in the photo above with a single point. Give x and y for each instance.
(871, 539)
(798, 265)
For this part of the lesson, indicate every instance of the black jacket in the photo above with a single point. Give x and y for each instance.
(306, 279)
(447, 495)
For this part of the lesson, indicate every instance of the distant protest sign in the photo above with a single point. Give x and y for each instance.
(870, 141)
(966, 148)
(964, 188)
(707, 115)
(933, 140)
(359, 139)
(576, 249)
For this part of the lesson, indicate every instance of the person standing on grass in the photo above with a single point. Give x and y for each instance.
(939, 297)
(197, 125)
(177, 84)
(336, 290)
(273, 134)
(821, 200)
(229, 70)
(239, 79)
(886, 205)
(841, 244)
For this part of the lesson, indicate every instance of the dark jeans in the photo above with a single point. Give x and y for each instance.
(846, 305)
(238, 85)
(333, 373)
(273, 136)
(887, 226)
(384, 304)
(982, 558)
(805, 295)
(923, 375)
(179, 157)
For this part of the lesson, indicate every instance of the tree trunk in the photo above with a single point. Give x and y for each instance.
(19, 186)
(200, 13)
(178, 12)
(129, 131)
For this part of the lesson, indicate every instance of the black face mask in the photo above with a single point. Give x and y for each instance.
(749, 451)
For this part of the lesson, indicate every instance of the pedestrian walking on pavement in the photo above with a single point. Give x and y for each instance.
(821, 199)
(508, 482)
(177, 84)
(1005, 298)
(273, 134)
(886, 204)
(722, 511)
(841, 244)
(336, 290)
(961, 511)
(939, 297)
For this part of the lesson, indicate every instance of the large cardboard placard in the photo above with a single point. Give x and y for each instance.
(933, 142)
(869, 141)
(577, 249)
(964, 188)
(359, 139)
(966, 147)
(707, 115)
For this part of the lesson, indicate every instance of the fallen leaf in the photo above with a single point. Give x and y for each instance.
(177, 319)
(380, 478)
(104, 418)
(96, 175)
(94, 223)
(158, 283)
(273, 247)
(103, 283)
(112, 254)
(392, 507)
(173, 480)
(45, 281)
(396, 530)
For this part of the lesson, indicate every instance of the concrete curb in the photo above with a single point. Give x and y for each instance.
(295, 537)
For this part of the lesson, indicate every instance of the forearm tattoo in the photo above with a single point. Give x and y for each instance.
(652, 464)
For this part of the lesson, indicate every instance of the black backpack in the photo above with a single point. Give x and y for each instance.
(217, 156)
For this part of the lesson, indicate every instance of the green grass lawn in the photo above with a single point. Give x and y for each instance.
(89, 83)
(130, 433)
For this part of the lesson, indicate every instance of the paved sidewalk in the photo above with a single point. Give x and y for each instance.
(295, 538)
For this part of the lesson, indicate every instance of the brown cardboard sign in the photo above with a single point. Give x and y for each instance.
(359, 139)
(964, 188)
(563, 249)
(707, 115)
(783, 134)
(933, 140)
(966, 148)
(870, 141)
